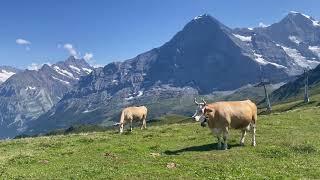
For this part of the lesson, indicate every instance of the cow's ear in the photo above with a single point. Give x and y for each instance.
(207, 110)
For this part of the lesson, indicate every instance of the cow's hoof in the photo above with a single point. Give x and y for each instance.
(254, 144)
(241, 144)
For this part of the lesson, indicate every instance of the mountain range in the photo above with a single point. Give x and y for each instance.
(204, 57)
(28, 94)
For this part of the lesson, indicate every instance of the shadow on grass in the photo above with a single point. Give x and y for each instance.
(201, 148)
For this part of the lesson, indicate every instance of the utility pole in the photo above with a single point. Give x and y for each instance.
(306, 87)
(267, 98)
(264, 83)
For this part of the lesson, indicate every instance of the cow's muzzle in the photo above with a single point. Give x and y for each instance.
(204, 123)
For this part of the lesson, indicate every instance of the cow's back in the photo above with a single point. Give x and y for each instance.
(135, 112)
(237, 114)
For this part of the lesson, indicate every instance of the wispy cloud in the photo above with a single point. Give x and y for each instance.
(88, 56)
(261, 24)
(69, 47)
(23, 42)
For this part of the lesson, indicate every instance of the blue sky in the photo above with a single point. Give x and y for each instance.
(41, 31)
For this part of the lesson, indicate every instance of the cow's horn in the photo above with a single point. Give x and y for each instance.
(195, 101)
(204, 101)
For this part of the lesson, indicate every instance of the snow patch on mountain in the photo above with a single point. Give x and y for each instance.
(262, 25)
(30, 88)
(198, 17)
(75, 68)
(66, 82)
(243, 38)
(63, 72)
(294, 39)
(4, 75)
(315, 50)
(261, 60)
(134, 95)
(88, 111)
(87, 70)
(299, 59)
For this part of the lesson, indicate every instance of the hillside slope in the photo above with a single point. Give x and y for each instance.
(295, 89)
(176, 151)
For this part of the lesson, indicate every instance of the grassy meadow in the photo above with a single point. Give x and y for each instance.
(288, 146)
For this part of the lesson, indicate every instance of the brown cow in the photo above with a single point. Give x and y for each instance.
(221, 116)
(133, 113)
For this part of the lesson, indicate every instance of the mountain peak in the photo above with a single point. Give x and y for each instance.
(297, 16)
(202, 16)
(205, 20)
(295, 13)
(71, 59)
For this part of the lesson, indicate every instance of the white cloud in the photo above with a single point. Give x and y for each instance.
(261, 24)
(88, 56)
(22, 42)
(69, 47)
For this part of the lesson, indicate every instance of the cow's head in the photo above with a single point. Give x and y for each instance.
(199, 114)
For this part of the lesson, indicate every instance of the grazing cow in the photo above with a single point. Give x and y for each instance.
(221, 116)
(130, 114)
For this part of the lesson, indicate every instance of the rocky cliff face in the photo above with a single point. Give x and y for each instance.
(292, 44)
(27, 94)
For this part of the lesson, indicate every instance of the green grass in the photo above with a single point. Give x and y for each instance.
(288, 146)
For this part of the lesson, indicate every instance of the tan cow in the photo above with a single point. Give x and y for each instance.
(221, 116)
(130, 114)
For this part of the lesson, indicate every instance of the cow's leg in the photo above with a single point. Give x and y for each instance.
(131, 125)
(243, 134)
(253, 134)
(225, 138)
(144, 124)
(217, 132)
(121, 128)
